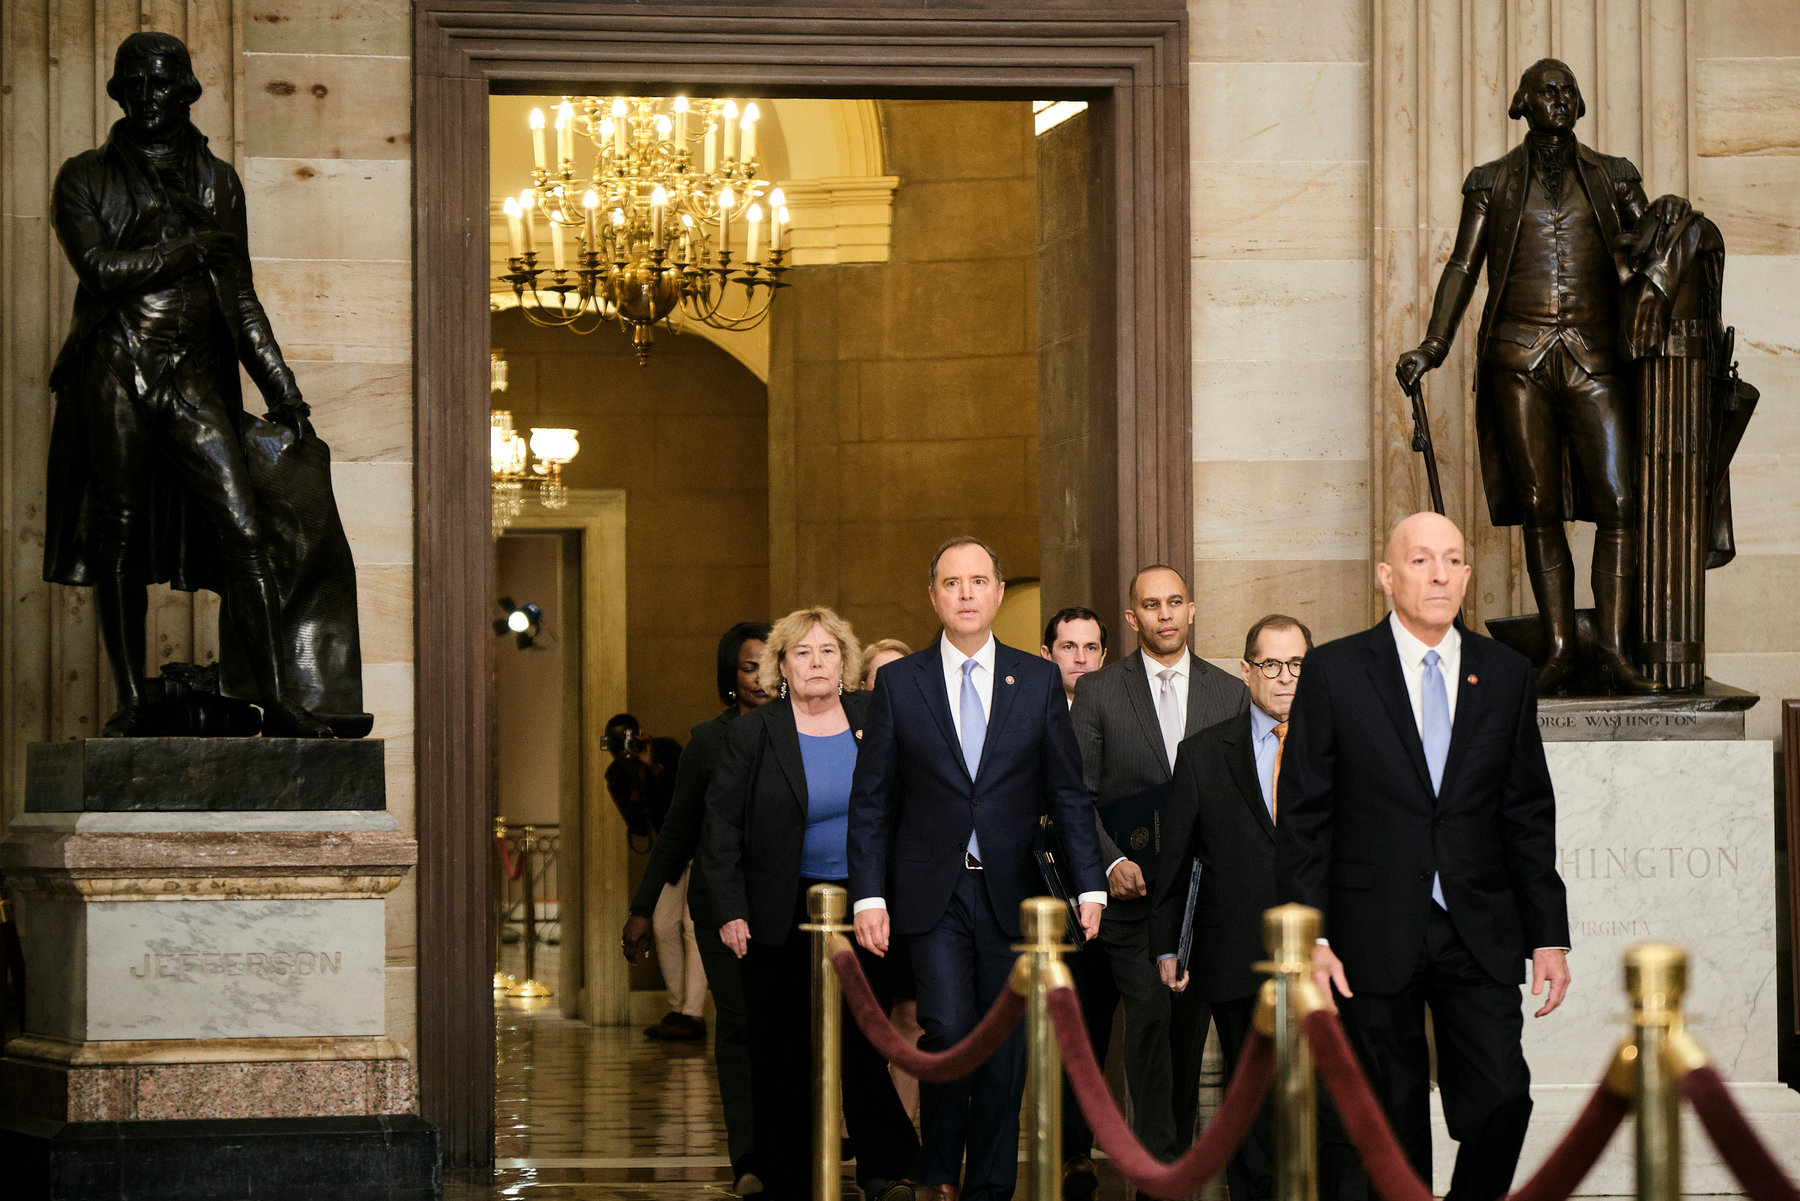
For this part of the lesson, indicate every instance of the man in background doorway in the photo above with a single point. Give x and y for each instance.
(1074, 640)
(641, 780)
(1129, 719)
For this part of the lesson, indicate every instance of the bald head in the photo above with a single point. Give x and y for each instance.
(1425, 572)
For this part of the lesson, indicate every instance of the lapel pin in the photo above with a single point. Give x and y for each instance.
(859, 734)
(1472, 678)
(1009, 679)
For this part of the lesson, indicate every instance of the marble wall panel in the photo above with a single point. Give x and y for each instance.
(340, 310)
(1764, 503)
(388, 694)
(1762, 302)
(1294, 111)
(327, 106)
(1282, 210)
(363, 411)
(1329, 595)
(1291, 409)
(930, 479)
(926, 398)
(1668, 842)
(967, 219)
(384, 610)
(1275, 311)
(956, 310)
(1752, 200)
(375, 501)
(1747, 106)
(1281, 510)
(1262, 31)
(234, 969)
(1743, 596)
(322, 208)
(1775, 429)
(349, 27)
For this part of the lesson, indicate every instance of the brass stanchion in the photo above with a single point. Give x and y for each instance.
(1656, 979)
(825, 904)
(1045, 921)
(1290, 931)
(529, 986)
(501, 893)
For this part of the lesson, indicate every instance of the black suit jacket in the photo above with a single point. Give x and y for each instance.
(914, 804)
(1121, 740)
(1361, 833)
(678, 842)
(1216, 812)
(756, 818)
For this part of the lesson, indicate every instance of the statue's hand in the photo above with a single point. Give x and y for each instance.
(1671, 208)
(294, 416)
(1412, 367)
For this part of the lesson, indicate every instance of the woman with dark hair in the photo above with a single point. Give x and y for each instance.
(777, 822)
(740, 655)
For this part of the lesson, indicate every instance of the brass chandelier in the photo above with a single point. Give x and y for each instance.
(646, 236)
(511, 457)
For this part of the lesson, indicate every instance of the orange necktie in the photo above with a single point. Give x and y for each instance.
(1275, 774)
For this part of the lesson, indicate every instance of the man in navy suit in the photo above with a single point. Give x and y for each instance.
(966, 744)
(1422, 826)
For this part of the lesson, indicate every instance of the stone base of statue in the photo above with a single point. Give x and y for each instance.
(1663, 835)
(205, 954)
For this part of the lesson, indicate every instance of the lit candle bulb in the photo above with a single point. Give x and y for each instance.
(663, 127)
(726, 200)
(711, 148)
(565, 133)
(537, 137)
(659, 208)
(728, 119)
(755, 219)
(590, 204)
(776, 222)
(526, 206)
(681, 112)
(606, 134)
(747, 147)
(618, 113)
(514, 237)
(618, 233)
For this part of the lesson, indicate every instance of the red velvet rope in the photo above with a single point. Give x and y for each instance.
(939, 1067)
(1738, 1144)
(511, 865)
(1200, 1162)
(1391, 1172)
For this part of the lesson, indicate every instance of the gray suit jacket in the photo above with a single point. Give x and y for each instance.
(1121, 741)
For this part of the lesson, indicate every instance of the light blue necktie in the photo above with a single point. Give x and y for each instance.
(974, 733)
(1434, 704)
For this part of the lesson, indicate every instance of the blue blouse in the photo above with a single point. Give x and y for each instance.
(830, 761)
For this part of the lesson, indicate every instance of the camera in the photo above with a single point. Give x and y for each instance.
(625, 742)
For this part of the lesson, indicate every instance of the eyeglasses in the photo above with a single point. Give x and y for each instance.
(1271, 668)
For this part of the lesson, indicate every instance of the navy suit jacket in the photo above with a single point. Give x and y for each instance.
(1361, 833)
(913, 804)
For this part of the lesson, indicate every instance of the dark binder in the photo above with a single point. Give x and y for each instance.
(1053, 862)
(1187, 918)
(1134, 823)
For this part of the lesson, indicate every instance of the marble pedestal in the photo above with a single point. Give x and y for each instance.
(1667, 841)
(203, 977)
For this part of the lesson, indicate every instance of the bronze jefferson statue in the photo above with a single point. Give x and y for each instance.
(149, 475)
(1554, 409)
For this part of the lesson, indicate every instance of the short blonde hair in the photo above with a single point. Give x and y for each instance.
(792, 629)
(877, 648)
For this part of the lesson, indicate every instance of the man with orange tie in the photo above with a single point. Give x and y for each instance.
(1222, 810)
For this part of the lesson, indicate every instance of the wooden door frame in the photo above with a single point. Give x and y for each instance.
(1130, 63)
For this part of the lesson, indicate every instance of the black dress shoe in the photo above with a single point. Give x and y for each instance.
(880, 1189)
(131, 721)
(1080, 1180)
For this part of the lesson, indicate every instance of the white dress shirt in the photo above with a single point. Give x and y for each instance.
(1263, 746)
(1412, 667)
(983, 679)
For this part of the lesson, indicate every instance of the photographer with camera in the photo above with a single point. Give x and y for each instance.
(641, 781)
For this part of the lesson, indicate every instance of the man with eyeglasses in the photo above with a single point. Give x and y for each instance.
(1129, 718)
(1222, 810)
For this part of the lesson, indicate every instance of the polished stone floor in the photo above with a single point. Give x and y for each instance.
(590, 1113)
